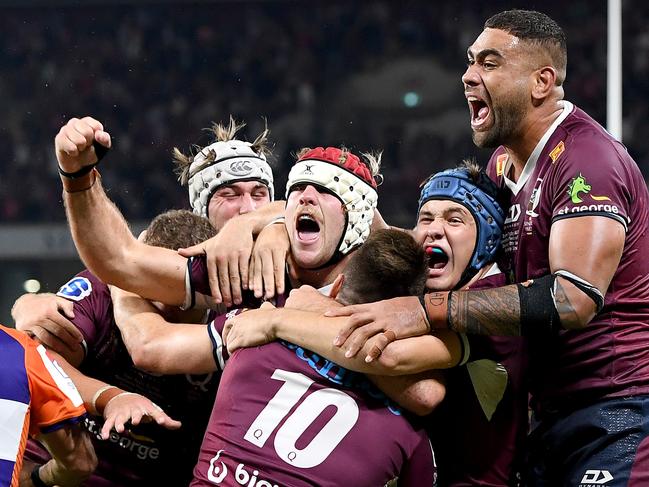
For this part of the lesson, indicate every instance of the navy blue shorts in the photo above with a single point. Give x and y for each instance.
(602, 445)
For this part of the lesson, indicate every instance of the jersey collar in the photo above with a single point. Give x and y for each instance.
(530, 165)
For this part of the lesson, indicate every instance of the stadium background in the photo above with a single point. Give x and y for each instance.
(368, 74)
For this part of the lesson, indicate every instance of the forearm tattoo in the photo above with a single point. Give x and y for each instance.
(485, 311)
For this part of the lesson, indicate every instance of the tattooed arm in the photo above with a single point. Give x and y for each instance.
(589, 247)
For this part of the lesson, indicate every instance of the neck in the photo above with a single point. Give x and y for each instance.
(532, 130)
(479, 275)
(318, 277)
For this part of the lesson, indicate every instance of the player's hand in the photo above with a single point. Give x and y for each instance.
(396, 318)
(46, 317)
(228, 256)
(74, 143)
(250, 329)
(268, 262)
(134, 408)
(308, 298)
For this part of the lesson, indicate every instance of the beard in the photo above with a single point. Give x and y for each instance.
(507, 121)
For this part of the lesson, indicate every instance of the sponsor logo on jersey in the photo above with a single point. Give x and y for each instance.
(513, 214)
(501, 160)
(578, 187)
(75, 289)
(242, 474)
(557, 151)
(596, 478)
(142, 447)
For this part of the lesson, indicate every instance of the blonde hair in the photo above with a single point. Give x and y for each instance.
(221, 133)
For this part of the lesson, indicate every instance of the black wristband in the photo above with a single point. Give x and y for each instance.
(35, 477)
(100, 151)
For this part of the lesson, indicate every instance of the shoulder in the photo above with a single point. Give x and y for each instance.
(84, 284)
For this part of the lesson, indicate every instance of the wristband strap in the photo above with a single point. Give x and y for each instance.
(82, 183)
(36, 479)
(436, 307)
(100, 152)
(93, 403)
(78, 174)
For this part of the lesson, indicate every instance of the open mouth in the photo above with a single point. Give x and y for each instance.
(307, 228)
(437, 258)
(479, 111)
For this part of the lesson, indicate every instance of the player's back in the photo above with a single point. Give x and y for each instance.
(285, 416)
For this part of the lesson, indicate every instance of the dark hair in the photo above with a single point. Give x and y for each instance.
(174, 229)
(389, 264)
(538, 29)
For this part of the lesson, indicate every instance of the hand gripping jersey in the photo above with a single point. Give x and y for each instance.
(579, 170)
(285, 416)
(147, 454)
(36, 396)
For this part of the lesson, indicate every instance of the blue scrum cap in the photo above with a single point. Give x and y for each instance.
(479, 197)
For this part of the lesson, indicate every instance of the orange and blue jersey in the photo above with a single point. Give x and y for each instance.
(36, 396)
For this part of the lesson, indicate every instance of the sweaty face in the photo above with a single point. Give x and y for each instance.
(497, 86)
(236, 199)
(448, 229)
(315, 221)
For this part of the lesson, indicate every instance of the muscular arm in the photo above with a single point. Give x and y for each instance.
(419, 393)
(112, 253)
(589, 247)
(157, 345)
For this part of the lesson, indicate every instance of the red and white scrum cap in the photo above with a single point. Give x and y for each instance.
(221, 163)
(346, 176)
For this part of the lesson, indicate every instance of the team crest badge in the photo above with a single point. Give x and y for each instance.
(557, 151)
(75, 289)
(500, 164)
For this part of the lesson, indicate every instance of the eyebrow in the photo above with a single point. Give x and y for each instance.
(484, 53)
(453, 209)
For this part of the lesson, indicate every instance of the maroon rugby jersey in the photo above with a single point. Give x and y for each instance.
(471, 449)
(147, 454)
(285, 416)
(578, 169)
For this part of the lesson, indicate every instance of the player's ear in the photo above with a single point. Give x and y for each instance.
(337, 286)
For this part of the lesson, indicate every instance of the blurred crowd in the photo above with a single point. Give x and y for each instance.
(157, 74)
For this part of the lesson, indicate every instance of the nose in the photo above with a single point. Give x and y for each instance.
(470, 76)
(435, 229)
(309, 195)
(247, 204)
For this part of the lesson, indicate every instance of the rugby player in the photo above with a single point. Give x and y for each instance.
(332, 197)
(459, 224)
(142, 453)
(575, 241)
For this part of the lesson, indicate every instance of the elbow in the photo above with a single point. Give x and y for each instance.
(145, 357)
(429, 403)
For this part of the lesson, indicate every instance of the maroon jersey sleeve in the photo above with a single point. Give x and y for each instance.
(93, 308)
(591, 179)
(215, 331)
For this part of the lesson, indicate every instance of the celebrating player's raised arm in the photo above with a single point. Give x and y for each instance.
(100, 232)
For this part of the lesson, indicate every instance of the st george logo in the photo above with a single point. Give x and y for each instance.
(596, 477)
(76, 289)
(579, 186)
(241, 168)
